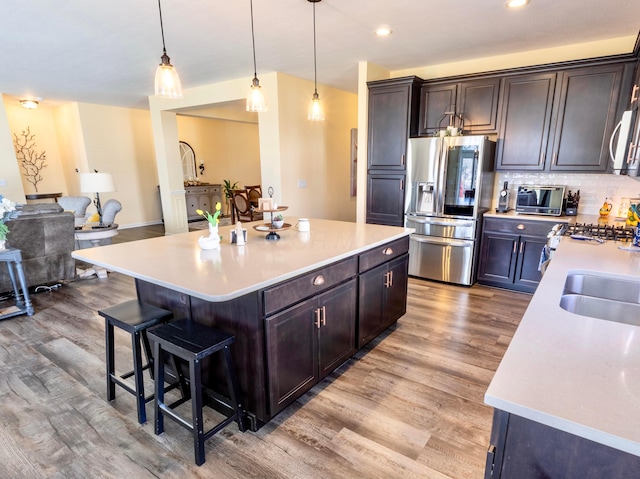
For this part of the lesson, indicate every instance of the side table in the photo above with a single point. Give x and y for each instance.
(13, 258)
(94, 236)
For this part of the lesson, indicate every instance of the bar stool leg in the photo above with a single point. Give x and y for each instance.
(195, 375)
(111, 386)
(232, 384)
(137, 374)
(158, 368)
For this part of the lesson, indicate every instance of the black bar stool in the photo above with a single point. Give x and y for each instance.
(192, 342)
(135, 317)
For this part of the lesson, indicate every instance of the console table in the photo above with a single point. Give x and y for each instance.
(13, 258)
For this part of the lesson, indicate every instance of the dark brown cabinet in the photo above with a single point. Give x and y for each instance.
(393, 110)
(476, 101)
(382, 289)
(308, 341)
(527, 101)
(525, 449)
(510, 253)
(585, 118)
(385, 198)
(560, 121)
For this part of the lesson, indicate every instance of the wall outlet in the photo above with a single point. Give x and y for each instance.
(302, 183)
(3, 182)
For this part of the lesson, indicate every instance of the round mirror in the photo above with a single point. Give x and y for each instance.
(188, 158)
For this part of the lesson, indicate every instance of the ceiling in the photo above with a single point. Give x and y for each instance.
(107, 52)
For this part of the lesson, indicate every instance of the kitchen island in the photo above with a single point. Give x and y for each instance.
(298, 307)
(567, 392)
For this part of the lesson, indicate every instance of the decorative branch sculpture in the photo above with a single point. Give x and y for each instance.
(31, 161)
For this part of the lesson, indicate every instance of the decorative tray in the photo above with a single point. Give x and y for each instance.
(279, 208)
(266, 227)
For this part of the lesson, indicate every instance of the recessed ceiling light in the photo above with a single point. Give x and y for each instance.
(516, 3)
(383, 31)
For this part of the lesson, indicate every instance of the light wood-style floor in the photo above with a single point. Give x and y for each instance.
(410, 405)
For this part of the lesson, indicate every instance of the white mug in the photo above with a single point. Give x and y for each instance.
(303, 224)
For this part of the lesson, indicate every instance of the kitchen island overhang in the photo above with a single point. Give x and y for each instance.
(233, 289)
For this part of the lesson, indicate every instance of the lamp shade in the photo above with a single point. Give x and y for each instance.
(96, 183)
(167, 81)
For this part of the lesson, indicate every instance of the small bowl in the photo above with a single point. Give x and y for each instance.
(277, 223)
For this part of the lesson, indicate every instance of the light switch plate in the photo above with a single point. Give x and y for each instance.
(302, 183)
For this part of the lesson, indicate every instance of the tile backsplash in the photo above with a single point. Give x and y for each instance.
(594, 188)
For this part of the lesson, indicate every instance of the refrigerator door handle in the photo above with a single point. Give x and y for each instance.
(457, 224)
(442, 241)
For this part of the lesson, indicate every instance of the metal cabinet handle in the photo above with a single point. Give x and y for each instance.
(634, 93)
(515, 246)
(387, 251)
(324, 316)
(521, 248)
(318, 280)
(521, 226)
(390, 279)
(542, 157)
(555, 158)
(316, 322)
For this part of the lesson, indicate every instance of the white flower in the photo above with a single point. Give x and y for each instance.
(6, 206)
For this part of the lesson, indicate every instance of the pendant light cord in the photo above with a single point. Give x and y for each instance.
(315, 65)
(253, 42)
(164, 50)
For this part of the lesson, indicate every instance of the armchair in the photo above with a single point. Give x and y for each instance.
(77, 204)
(109, 211)
(254, 193)
(242, 207)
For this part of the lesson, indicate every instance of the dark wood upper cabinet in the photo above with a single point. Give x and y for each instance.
(561, 121)
(478, 105)
(476, 101)
(585, 118)
(393, 110)
(435, 101)
(527, 102)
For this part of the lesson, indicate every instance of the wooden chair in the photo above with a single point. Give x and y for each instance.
(254, 193)
(242, 207)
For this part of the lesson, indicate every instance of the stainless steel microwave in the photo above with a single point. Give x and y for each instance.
(540, 200)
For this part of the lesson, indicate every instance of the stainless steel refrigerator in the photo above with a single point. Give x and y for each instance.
(450, 185)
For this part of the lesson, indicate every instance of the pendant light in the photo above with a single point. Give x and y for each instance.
(255, 100)
(315, 112)
(167, 83)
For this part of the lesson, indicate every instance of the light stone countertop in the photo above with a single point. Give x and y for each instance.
(177, 262)
(575, 373)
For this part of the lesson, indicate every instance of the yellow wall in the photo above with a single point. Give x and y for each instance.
(10, 179)
(230, 150)
(40, 123)
(119, 141)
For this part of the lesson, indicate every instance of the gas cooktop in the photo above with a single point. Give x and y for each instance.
(603, 231)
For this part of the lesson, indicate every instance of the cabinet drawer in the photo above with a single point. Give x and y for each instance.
(519, 226)
(307, 285)
(197, 191)
(382, 254)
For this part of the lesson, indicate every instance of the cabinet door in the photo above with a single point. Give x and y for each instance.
(435, 100)
(385, 198)
(336, 334)
(292, 354)
(371, 304)
(527, 275)
(527, 102)
(204, 202)
(478, 105)
(497, 262)
(586, 116)
(396, 290)
(389, 117)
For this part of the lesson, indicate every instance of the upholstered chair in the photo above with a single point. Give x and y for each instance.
(77, 204)
(109, 211)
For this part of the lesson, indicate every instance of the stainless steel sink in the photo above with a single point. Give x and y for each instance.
(603, 297)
